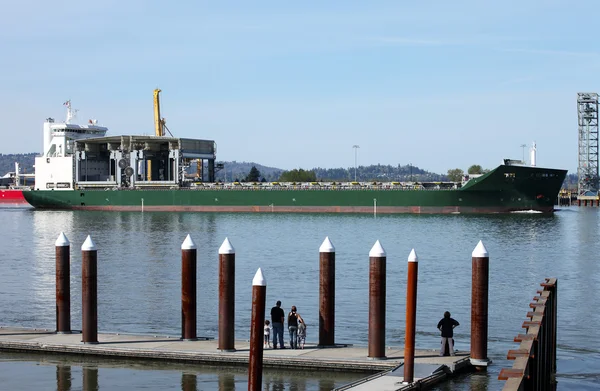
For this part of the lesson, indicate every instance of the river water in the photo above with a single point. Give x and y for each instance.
(139, 261)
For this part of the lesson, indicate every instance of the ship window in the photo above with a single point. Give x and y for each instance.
(509, 174)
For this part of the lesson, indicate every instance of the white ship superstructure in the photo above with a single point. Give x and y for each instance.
(54, 169)
(82, 157)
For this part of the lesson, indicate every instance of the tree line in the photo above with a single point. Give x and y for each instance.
(457, 175)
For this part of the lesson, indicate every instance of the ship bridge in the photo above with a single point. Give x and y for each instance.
(139, 161)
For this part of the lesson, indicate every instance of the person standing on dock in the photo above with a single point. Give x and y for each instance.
(293, 328)
(446, 325)
(277, 318)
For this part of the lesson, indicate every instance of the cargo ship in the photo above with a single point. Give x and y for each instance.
(83, 169)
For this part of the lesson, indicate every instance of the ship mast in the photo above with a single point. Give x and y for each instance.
(71, 113)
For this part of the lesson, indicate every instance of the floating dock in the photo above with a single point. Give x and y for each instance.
(344, 358)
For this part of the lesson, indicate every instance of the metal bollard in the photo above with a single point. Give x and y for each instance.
(255, 364)
(377, 292)
(479, 305)
(188, 289)
(327, 293)
(226, 297)
(89, 285)
(411, 317)
(63, 284)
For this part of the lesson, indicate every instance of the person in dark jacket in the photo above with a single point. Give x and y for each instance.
(446, 325)
(277, 318)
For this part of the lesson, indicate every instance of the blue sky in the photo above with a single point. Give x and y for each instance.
(296, 84)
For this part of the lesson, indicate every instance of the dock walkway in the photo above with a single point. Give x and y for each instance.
(346, 358)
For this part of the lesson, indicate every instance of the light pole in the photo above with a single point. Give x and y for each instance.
(355, 156)
(523, 146)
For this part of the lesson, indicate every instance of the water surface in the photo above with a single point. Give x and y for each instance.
(139, 266)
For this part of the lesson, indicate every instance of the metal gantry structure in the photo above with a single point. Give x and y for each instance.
(587, 170)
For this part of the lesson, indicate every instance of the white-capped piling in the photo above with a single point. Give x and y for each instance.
(377, 293)
(255, 363)
(479, 305)
(411, 316)
(188, 289)
(63, 284)
(226, 296)
(89, 286)
(327, 293)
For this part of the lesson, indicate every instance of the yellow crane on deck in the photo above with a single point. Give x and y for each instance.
(159, 126)
(158, 122)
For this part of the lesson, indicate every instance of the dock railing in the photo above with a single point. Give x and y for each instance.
(534, 365)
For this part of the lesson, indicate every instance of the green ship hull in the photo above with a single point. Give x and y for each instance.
(508, 188)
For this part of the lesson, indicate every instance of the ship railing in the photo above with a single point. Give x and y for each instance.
(92, 184)
(155, 183)
(328, 187)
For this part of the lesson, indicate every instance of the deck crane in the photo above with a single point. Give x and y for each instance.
(159, 125)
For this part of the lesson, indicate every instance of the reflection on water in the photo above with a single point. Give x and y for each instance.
(63, 377)
(30, 372)
(226, 381)
(189, 381)
(326, 384)
(90, 378)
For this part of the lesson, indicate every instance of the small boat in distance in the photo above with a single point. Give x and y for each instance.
(82, 169)
(11, 189)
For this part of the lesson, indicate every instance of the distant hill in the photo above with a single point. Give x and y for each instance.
(239, 170)
(378, 173)
(25, 160)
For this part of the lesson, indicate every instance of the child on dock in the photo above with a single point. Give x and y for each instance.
(267, 341)
(301, 333)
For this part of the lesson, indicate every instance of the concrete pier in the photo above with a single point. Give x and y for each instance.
(204, 351)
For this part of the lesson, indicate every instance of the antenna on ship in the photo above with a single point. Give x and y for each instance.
(71, 113)
(523, 146)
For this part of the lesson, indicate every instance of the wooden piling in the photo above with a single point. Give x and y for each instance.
(226, 297)
(63, 284)
(411, 317)
(377, 292)
(255, 364)
(479, 305)
(188, 289)
(89, 286)
(327, 293)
